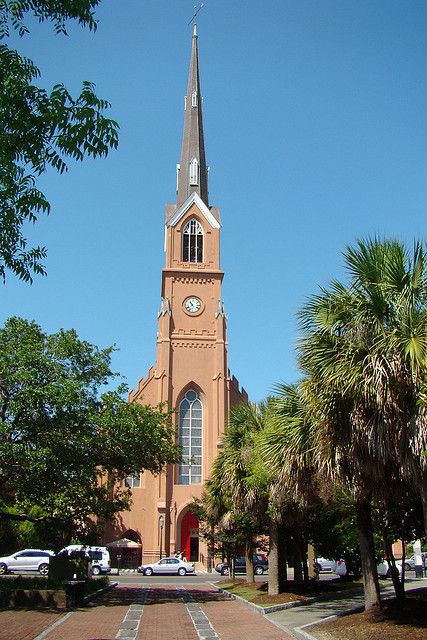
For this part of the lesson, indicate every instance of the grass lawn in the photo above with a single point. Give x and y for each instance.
(391, 623)
(257, 592)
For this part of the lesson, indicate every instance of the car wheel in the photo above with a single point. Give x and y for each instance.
(181, 571)
(3, 568)
(148, 572)
(258, 571)
(44, 569)
(224, 571)
(96, 571)
(407, 567)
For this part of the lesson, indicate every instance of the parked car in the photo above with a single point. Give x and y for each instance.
(326, 566)
(382, 569)
(167, 565)
(98, 556)
(260, 565)
(27, 560)
(410, 562)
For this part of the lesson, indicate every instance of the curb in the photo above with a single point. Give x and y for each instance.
(286, 605)
(95, 594)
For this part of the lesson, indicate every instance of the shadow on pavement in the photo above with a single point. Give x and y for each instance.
(125, 596)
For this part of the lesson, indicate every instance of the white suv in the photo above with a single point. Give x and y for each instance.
(27, 560)
(98, 556)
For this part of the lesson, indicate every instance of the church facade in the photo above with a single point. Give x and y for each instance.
(191, 372)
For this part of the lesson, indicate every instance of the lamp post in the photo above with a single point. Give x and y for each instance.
(161, 523)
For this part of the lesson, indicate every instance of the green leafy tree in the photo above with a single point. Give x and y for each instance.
(66, 447)
(40, 129)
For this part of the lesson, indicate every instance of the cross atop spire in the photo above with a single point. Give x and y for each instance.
(193, 175)
(194, 18)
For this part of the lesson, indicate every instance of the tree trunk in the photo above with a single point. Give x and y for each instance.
(424, 498)
(398, 584)
(249, 552)
(304, 561)
(277, 571)
(367, 554)
(313, 574)
(296, 548)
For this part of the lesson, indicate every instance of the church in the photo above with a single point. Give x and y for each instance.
(191, 373)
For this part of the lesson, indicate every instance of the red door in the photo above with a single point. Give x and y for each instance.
(190, 537)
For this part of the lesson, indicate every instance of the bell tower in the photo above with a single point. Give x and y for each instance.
(191, 373)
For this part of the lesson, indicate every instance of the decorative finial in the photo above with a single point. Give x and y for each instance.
(193, 19)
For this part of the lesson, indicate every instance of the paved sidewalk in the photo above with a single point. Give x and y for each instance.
(291, 620)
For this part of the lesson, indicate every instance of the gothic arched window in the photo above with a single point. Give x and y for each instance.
(192, 242)
(190, 438)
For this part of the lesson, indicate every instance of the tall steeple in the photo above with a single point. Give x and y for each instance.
(191, 374)
(193, 175)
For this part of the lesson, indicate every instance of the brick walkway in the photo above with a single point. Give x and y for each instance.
(164, 617)
(162, 613)
(232, 620)
(25, 625)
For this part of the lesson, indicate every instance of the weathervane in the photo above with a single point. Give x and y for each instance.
(193, 19)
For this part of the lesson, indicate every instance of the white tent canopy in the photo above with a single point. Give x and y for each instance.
(124, 543)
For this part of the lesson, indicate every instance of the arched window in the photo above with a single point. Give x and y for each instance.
(192, 242)
(190, 438)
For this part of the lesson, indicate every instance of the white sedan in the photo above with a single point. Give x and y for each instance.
(167, 565)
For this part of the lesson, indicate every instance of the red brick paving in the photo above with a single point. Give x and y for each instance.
(233, 620)
(25, 625)
(101, 619)
(165, 617)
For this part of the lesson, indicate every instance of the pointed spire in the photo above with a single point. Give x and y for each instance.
(193, 175)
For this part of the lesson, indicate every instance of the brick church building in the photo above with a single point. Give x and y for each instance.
(191, 372)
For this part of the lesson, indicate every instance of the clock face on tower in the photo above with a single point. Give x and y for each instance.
(192, 305)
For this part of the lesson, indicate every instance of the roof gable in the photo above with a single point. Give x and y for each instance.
(194, 198)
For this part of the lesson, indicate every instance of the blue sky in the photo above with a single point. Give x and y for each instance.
(316, 134)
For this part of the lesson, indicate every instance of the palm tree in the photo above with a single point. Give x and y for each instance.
(289, 448)
(231, 493)
(363, 352)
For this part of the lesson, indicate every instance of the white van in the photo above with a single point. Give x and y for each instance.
(98, 556)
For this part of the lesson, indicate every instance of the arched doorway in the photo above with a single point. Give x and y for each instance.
(190, 537)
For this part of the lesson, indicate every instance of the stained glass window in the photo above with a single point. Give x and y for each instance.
(190, 438)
